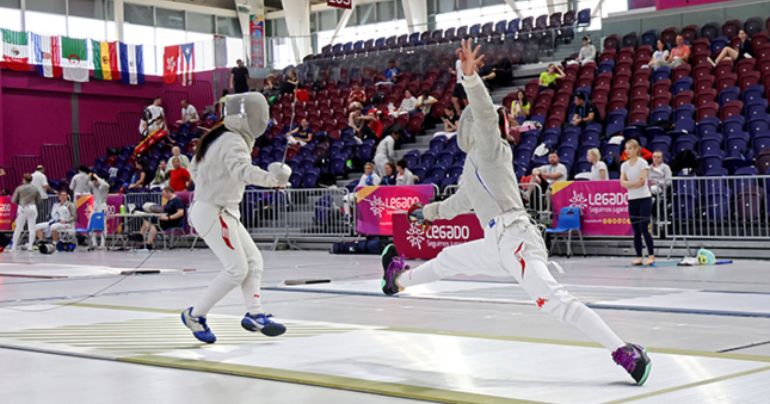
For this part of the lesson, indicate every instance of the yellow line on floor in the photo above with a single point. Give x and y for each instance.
(314, 379)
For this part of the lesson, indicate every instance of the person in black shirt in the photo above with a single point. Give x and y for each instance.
(239, 78)
(173, 217)
(390, 174)
(737, 53)
(585, 112)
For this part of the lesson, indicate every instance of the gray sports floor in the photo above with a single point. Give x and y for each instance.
(468, 339)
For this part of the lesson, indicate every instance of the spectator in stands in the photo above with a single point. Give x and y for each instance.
(290, 83)
(660, 173)
(161, 177)
(459, 98)
(302, 134)
(633, 177)
(386, 151)
(26, 197)
(587, 53)
(403, 175)
(659, 57)
(408, 105)
(79, 184)
(40, 181)
(548, 78)
(101, 190)
(153, 118)
(392, 72)
(585, 112)
(551, 172)
(389, 174)
(679, 55)
(270, 90)
(176, 152)
(488, 75)
(63, 217)
(357, 95)
(239, 78)
(369, 177)
(520, 106)
(357, 123)
(449, 119)
(598, 167)
(735, 53)
(425, 103)
(173, 217)
(140, 178)
(190, 117)
(179, 178)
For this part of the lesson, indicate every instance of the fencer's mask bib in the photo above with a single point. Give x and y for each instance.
(247, 115)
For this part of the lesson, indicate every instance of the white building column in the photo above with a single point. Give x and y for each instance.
(416, 14)
(119, 18)
(298, 25)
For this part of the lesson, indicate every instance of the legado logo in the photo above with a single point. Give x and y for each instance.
(449, 232)
(5, 207)
(379, 205)
(579, 200)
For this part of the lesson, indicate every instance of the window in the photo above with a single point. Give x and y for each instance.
(165, 37)
(10, 19)
(172, 19)
(445, 6)
(234, 50)
(200, 23)
(485, 3)
(86, 8)
(228, 26)
(10, 4)
(365, 14)
(47, 6)
(138, 15)
(328, 19)
(204, 50)
(279, 28)
(143, 35)
(44, 23)
(466, 4)
(386, 11)
(87, 28)
(399, 10)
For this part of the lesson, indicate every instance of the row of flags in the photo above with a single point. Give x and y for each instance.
(61, 56)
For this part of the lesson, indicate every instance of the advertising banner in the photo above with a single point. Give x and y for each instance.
(414, 242)
(7, 213)
(376, 205)
(603, 206)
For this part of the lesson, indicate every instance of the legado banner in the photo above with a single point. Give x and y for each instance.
(603, 206)
(415, 243)
(340, 3)
(376, 205)
(7, 213)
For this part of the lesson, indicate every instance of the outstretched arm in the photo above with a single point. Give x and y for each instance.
(448, 208)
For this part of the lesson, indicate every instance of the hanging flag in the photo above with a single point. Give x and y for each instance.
(105, 60)
(75, 65)
(131, 64)
(170, 63)
(15, 50)
(187, 63)
(47, 55)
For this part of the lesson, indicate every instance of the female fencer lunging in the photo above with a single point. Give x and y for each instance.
(221, 169)
(512, 244)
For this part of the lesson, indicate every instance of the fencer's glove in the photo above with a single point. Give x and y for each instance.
(423, 215)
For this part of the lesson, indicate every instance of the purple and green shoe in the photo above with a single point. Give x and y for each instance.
(633, 358)
(393, 265)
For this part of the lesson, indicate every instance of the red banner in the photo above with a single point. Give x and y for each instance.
(170, 63)
(340, 3)
(414, 242)
(7, 213)
(376, 205)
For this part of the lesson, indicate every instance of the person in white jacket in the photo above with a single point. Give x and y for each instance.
(512, 244)
(221, 169)
(386, 152)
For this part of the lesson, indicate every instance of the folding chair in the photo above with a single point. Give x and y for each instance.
(569, 221)
(95, 224)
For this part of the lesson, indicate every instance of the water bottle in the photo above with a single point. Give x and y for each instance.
(122, 209)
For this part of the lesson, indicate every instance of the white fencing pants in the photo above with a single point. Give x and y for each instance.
(514, 246)
(25, 215)
(241, 260)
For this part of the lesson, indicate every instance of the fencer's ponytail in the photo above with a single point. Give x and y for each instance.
(207, 139)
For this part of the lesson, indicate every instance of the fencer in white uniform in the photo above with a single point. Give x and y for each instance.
(512, 243)
(221, 169)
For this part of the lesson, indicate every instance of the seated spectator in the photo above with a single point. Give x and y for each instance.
(449, 119)
(369, 177)
(357, 95)
(302, 134)
(520, 106)
(598, 168)
(290, 83)
(179, 178)
(660, 173)
(176, 152)
(373, 122)
(548, 78)
(389, 174)
(408, 105)
(403, 175)
(459, 98)
(140, 178)
(173, 217)
(392, 72)
(587, 53)
(63, 218)
(738, 53)
(585, 112)
(659, 57)
(425, 103)
(79, 184)
(270, 90)
(190, 117)
(161, 177)
(551, 172)
(386, 151)
(679, 55)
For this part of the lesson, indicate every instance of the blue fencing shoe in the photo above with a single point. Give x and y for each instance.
(263, 323)
(198, 326)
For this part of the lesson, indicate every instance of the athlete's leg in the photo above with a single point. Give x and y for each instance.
(472, 258)
(252, 283)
